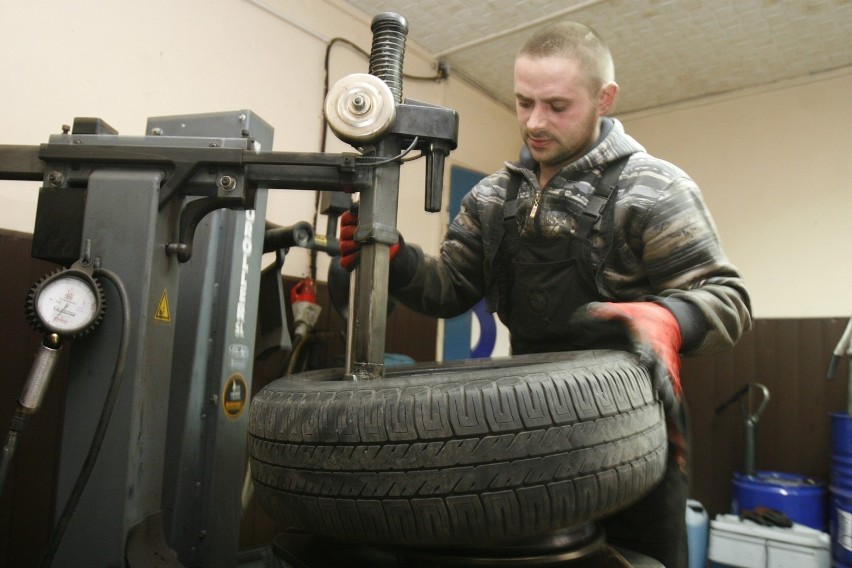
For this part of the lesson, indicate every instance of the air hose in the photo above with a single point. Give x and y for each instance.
(30, 398)
(103, 422)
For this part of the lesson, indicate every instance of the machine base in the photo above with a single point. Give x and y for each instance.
(298, 549)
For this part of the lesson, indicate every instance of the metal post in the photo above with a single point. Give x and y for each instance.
(377, 217)
(212, 364)
(124, 225)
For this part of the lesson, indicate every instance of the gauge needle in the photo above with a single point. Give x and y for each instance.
(61, 311)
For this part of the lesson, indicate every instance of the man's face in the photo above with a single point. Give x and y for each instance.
(557, 110)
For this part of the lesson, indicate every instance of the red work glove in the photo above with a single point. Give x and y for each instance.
(350, 250)
(656, 339)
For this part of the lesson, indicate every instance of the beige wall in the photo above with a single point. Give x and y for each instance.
(774, 169)
(772, 163)
(125, 60)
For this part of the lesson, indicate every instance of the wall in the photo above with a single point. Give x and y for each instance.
(770, 161)
(773, 167)
(124, 61)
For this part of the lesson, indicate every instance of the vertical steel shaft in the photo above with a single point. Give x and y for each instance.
(377, 218)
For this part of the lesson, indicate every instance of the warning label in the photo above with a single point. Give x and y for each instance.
(163, 312)
(234, 396)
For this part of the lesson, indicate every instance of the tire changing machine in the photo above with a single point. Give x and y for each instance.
(177, 219)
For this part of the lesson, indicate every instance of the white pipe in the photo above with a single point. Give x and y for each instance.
(296, 24)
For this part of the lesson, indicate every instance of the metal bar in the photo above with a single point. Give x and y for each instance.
(328, 177)
(21, 163)
(133, 154)
(377, 211)
(277, 170)
(368, 313)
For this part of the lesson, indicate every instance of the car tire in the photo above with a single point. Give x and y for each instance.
(459, 454)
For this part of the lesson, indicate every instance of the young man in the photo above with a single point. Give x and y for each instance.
(550, 244)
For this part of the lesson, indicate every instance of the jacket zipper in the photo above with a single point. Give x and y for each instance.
(533, 216)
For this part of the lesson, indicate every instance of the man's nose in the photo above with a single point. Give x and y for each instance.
(536, 119)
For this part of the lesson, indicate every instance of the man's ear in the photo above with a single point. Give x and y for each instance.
(607, 99)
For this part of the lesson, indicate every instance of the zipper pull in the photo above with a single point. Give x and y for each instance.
(534, 208)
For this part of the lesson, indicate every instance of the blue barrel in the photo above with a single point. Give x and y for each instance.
(802, 499)
(841, 434)
(840, 526)
(841, 472)
(840, 522)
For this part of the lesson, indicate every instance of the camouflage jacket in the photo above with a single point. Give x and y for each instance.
(663, 247)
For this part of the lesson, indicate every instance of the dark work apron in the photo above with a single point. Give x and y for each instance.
(541, 283)
(543, 280)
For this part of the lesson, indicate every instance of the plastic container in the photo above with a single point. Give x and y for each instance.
(745, 544)
(801, 498)
(697, 527)
(397, 360)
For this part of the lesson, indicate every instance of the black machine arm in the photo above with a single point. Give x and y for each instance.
(189, 166)
(223, 178)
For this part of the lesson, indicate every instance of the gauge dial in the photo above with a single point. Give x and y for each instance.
(68, 302)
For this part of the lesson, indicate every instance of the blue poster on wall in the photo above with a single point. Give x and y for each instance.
(458, 330)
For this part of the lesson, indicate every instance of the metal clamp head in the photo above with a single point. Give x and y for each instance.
(360, 109)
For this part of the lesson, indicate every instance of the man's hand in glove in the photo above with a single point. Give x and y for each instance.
(656, 338)
(350, 250)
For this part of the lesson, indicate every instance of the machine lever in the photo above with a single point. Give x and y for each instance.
(434, 177)
(275, 238)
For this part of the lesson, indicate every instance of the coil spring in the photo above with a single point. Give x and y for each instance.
(388, 50)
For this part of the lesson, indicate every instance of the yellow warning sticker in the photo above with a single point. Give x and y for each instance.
(163, 312)
(234, 396)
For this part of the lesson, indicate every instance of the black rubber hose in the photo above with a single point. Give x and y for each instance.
(103, 422)
(19, 421)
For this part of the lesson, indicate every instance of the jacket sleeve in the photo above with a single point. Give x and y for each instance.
(685, 262)
(452, 283)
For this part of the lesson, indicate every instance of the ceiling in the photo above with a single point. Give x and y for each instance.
(665, 51)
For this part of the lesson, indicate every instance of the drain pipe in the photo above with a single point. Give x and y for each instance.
(844, 346)
(751, 418)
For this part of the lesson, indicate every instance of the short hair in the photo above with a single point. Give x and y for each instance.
(578, 42)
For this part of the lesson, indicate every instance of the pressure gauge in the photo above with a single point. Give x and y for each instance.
(69, 302)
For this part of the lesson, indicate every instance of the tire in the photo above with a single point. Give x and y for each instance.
(473, 453)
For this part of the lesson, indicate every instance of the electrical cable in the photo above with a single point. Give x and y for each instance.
(383, 161)
(103, 422)
(301, 342)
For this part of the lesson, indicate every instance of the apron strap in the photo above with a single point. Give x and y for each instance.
(591, 216)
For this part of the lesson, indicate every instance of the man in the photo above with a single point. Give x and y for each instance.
(592, 230)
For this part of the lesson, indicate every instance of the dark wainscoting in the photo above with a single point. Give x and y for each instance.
(791, 358)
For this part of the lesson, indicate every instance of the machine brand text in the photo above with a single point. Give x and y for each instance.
(239, 323)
